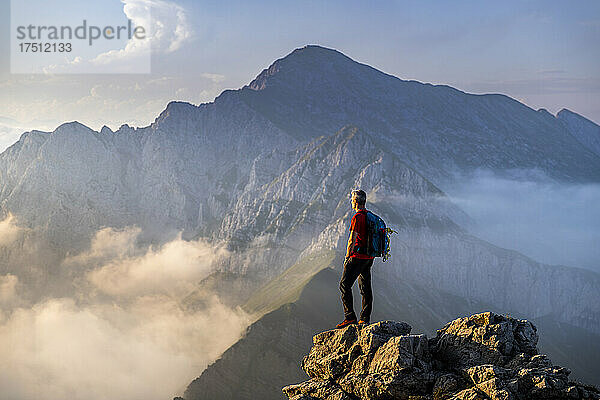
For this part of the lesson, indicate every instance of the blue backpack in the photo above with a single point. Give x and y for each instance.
(378, 242)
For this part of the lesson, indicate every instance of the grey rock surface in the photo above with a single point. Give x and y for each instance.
(483, 356)
(267, 170)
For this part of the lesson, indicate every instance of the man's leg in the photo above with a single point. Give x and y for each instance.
(364, 283)
(351, 271)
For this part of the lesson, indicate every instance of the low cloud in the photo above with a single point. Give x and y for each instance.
(9, 135)
(174, 267)
(167, 28)
(9, 231)
(550, 222)
(148, 350)
(216, 78)
(106, 245)
(8, 288)
(124, 334)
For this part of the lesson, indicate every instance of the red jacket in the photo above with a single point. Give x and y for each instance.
(359, 225)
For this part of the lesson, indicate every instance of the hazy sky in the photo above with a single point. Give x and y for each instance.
(544, 53)
(550, 222)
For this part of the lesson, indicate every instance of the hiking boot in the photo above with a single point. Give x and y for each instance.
(363, 323)
(345, 323)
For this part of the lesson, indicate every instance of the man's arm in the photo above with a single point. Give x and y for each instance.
(351, 241)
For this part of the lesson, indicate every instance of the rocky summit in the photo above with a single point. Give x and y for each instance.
(484, 356)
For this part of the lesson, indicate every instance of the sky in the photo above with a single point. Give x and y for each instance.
(543, 53)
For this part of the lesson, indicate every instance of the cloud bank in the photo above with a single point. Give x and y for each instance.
(165, 29)
(9, 230)
(551, 222)
(124, 333)
(173, 268)
(167, 25)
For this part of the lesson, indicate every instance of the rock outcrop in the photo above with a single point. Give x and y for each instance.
(484, 356)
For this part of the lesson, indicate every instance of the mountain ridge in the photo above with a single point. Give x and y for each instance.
(584, 130)
(266, 173)
(402, 107)
(222, 170)
(373, 85)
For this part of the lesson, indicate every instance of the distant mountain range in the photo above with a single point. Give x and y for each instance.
(267, 170)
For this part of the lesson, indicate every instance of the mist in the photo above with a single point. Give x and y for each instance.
(9, 231)
(551, 222)
(123, 334)
(9, 135)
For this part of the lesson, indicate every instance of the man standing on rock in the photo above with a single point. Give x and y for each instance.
(357, 264)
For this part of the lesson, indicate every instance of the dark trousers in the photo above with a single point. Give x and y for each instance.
(361, 269)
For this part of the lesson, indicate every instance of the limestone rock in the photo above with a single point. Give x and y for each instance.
(487, 338)
(483, 356)
(318, 389)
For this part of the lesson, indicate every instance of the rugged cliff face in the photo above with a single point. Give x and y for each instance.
(267, 169)
(484, 356)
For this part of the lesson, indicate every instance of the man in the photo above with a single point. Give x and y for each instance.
(357, 264)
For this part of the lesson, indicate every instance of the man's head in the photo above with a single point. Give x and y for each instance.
(359, 199)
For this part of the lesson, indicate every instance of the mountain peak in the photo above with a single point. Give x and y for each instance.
(72, 127)
(106, 130)
(178, 106)
(587, 132)
(309, 58)
(315, 49)
(176, 110)
(565, 113)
